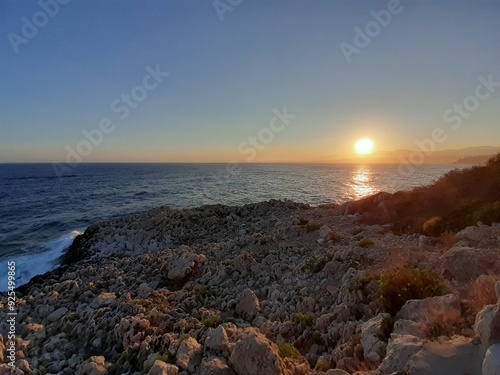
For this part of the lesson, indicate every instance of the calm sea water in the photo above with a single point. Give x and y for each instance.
(40, 213)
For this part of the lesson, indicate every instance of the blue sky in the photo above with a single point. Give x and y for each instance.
(227, 76)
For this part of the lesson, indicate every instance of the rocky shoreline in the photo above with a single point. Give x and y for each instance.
(269, 288)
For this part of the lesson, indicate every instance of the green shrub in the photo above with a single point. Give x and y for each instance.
(305, 320)
(401, 285)
(322, 366)
(212, 321)
(366, 242)
(288, 351)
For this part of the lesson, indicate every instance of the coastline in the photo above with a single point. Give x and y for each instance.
(190, 290)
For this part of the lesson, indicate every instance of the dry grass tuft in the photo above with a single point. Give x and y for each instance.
(480, 293)
(448, 239)
(436, 322)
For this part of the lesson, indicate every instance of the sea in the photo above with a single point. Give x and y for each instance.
(42, 209)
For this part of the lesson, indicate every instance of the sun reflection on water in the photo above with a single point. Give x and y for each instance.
(361, 182)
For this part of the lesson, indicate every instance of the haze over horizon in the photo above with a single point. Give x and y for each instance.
(261, 81)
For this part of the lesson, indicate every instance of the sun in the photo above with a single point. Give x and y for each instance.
(364, 146)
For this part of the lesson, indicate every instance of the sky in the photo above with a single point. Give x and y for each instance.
(244, 80)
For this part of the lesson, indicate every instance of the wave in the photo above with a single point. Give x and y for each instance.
(43, 258)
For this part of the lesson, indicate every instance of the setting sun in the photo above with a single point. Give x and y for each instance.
(364, 146)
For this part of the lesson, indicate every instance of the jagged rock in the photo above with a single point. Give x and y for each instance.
(162, 368)
(7, 370)
(248, 305)
(373, 333)
(58, 314)
(399, 351)
(491, 363)
(487, 326)
(182, 265)
(468, 263)
(408, 327)
(336, 372)
(420, 310)
(217, 340)
(93, 366)
(254, 354)
(189, 354)
(458, 357)
(103, 299)
(244, 263)
(215, 366)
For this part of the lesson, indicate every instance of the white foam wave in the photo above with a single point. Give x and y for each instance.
(30, 265)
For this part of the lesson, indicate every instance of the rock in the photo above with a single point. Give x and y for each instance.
(103, 299)
(399, 351)
(487, 326)
(248, 305)
(215, 366)
(189, 354)
(373, 333)
(162, 368)
(458, 357)
(217, 340)
(182, 265)
(7, 370)
(324, 231)
(58, 314)
(144, 290)
(254, 354)
(491, 363)
(93, 366)
(24, 366)
(424, 310)
(497, 291)
(244, 263)
(336, 372)
(468, 263)
(408, 327)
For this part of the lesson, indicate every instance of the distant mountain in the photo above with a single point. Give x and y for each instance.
(481, 159)
(420, 157)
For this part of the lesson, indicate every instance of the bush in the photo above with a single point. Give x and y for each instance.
(288, 351)
(311, 226)
(305, 320)
(212, 321)
(366, 242)
(399, 286)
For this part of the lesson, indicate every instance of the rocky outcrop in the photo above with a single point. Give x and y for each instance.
(254, 354)
(247, 290)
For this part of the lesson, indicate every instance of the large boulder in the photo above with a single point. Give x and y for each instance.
(400, 350)
(93, 366)
(215, 366)
(487, 326)
(189, 354)
(217, 340)
(491, 363)
(458, 357)
(468, 263)
(162, 368)
(248, 305)
(254, 354)
(373, 338)
(184, 264)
